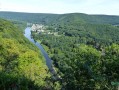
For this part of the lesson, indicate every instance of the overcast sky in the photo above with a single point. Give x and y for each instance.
(110, 7)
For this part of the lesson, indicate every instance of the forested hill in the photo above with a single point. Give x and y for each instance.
(84, 50)
(60, 18)
(22, 66)
(29, 17)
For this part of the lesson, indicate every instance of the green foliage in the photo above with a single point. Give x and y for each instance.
(19, 24)
(60, 18)
(85, 52)
(89, 67)
(22, 66)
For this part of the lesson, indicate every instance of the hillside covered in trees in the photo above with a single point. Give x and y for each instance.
(84, 49)
(84, 53)
(45, 18)
(84, 61)
(22, 67)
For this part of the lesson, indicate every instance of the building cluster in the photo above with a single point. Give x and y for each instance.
(38, 28)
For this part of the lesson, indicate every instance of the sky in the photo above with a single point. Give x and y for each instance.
(108, 7)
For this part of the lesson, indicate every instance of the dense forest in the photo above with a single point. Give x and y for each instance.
(84, 49)
(86, 56)
(22, 66)
(47, 18)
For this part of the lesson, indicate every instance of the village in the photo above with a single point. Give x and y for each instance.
(40, 28)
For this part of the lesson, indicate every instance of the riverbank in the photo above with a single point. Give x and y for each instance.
(49, 63)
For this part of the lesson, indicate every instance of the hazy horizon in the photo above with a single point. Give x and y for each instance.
(102, 7)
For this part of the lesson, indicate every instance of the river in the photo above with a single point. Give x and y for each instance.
(27, 34)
